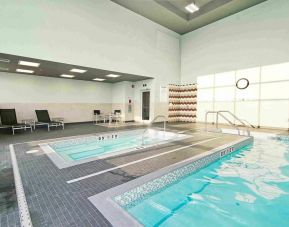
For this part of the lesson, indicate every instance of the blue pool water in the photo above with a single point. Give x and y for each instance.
(247, 188)
(94, 146)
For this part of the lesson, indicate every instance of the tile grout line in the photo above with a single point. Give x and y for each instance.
(24, 215)
(137, 161)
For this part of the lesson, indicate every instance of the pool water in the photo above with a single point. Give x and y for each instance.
(94, 146)
(247, 188)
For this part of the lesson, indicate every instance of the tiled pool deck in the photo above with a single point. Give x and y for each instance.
(54, 202)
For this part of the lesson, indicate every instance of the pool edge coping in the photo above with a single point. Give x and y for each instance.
(117, 215)
(23, 209)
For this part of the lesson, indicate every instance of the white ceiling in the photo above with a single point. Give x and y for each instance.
(172, 13)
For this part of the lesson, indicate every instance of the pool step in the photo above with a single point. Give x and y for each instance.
(234, 131)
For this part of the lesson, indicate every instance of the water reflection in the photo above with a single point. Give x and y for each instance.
(261, 168)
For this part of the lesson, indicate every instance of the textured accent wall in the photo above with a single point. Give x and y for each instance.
(182, 103)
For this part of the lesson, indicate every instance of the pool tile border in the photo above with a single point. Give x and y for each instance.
(111, 202)
(24, 214)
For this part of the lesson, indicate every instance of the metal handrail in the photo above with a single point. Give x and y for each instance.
(220, 113)
(248, 123)
(158, 116)
(233, 115)
(217, 123)
(206, 118)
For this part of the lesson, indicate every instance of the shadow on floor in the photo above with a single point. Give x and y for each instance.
(7, 189)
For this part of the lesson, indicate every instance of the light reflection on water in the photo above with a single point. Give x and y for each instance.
(261, 167)
(247, 188)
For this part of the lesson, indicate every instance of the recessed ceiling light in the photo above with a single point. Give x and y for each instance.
(99, 79)
(4, 60)
(67, 76)
(192, 8)
(78, 70)
(112, 75)
(24, 71)
(28, 63)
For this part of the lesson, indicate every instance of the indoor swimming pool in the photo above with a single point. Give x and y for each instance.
(106, 145)
(249, 187)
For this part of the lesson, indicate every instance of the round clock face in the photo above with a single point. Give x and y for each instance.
(242, 83)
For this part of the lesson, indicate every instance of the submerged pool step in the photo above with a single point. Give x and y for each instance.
(85, 147)
(180, 196)
(99, 151)
(234, 131)
(96, 148)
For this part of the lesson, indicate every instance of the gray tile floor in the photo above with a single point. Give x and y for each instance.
(53, 202)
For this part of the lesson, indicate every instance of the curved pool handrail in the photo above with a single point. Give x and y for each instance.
(158, 116)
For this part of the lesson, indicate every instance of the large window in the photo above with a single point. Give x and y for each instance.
(265, 102)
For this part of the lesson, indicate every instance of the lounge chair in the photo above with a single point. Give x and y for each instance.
(44, 119)
(98, 116)
(116, 116)
(9, 120)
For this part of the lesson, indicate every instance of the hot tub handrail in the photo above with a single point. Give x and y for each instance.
(220, 113)
(158, 116)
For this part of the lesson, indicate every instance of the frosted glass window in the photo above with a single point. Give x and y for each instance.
(248, 110)
(205, 95)
(278, 90)
(205, 81)
(275, 72)
(250, 93)
(274, 114)
(202, 108)
(265, 103)
(225, 94)
(225, 79)
(227, 106)
(252, 74)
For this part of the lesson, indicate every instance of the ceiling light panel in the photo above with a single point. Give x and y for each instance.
(24, 71)
(192, 8)
(98, 79)
(28, 63)
(67, 76)
(78, 70)
(113, 75)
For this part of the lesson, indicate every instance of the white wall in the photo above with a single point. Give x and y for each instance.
(121, 93)
(35, 89)
(104, 35)
(72, 99)
(93, 33)
(251, 44)
(257, 36)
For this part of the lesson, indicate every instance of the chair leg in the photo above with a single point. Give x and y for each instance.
(13, 131)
